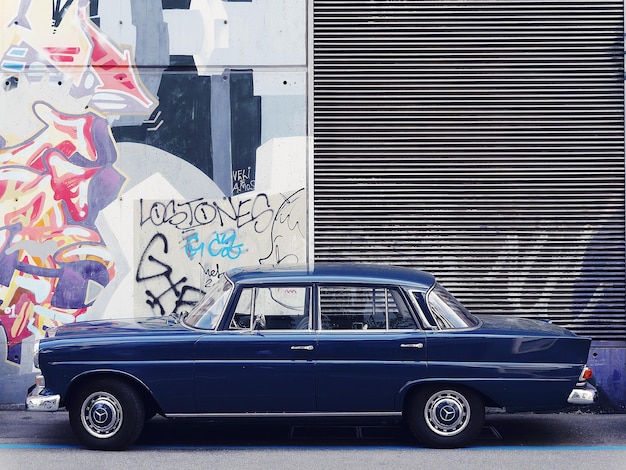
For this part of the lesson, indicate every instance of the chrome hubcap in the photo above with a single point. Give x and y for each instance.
(447, 413)
(101, 414)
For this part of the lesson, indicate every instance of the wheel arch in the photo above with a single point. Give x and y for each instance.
(149, 401)
(411, 389)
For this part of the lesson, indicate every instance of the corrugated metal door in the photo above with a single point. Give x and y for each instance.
(482, 141)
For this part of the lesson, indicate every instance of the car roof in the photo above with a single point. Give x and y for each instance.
(321, 272)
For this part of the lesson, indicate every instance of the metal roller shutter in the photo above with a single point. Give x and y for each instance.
(482, 141)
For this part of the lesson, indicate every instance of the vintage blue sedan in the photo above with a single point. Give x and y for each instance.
(337, 340)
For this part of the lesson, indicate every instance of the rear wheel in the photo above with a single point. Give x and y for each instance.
(446, 416)
(107, 414)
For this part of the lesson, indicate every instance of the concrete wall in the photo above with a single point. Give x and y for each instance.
(146, 146)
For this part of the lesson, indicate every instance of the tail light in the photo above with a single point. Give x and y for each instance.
(586, 374)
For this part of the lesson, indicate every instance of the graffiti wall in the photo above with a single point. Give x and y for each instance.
(146, 146)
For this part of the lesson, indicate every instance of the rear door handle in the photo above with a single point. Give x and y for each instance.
(308, 347)
(412, 345)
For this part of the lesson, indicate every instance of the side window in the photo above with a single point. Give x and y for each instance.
(400, 316)
(272, 308)
(363, 308)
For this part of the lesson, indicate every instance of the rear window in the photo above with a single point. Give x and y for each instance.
(446, 312)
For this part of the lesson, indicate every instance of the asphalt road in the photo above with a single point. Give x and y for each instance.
(522, 441)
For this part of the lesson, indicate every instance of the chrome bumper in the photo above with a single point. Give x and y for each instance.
(584, 395)
(39, 397)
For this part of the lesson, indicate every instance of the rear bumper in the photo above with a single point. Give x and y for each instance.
(39, 398)
(583, 395)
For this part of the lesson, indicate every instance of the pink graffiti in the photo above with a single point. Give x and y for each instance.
(114, 68)
(56, 179)
(51, 189)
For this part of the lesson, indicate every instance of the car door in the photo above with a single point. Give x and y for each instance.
(369, 348)
(262, 360)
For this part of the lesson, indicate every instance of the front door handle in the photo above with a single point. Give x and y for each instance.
(412, 345)
(308, 347)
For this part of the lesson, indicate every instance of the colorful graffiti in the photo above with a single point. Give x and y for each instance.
(56, 178)
(125, 119)
(52, 260)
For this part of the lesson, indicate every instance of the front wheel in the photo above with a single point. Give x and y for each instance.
(446, 416)
(107, 414)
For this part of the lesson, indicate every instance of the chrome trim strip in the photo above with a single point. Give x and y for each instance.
(333, 414)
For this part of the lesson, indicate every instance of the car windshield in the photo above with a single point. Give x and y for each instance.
(447, 312)
(206, 313)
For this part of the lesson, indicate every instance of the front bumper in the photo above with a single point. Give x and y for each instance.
(39, 398)
(583, 395)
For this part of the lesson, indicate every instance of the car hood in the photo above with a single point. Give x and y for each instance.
(121, 327)
(504, 324)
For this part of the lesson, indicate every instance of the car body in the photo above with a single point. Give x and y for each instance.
(333, 340)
